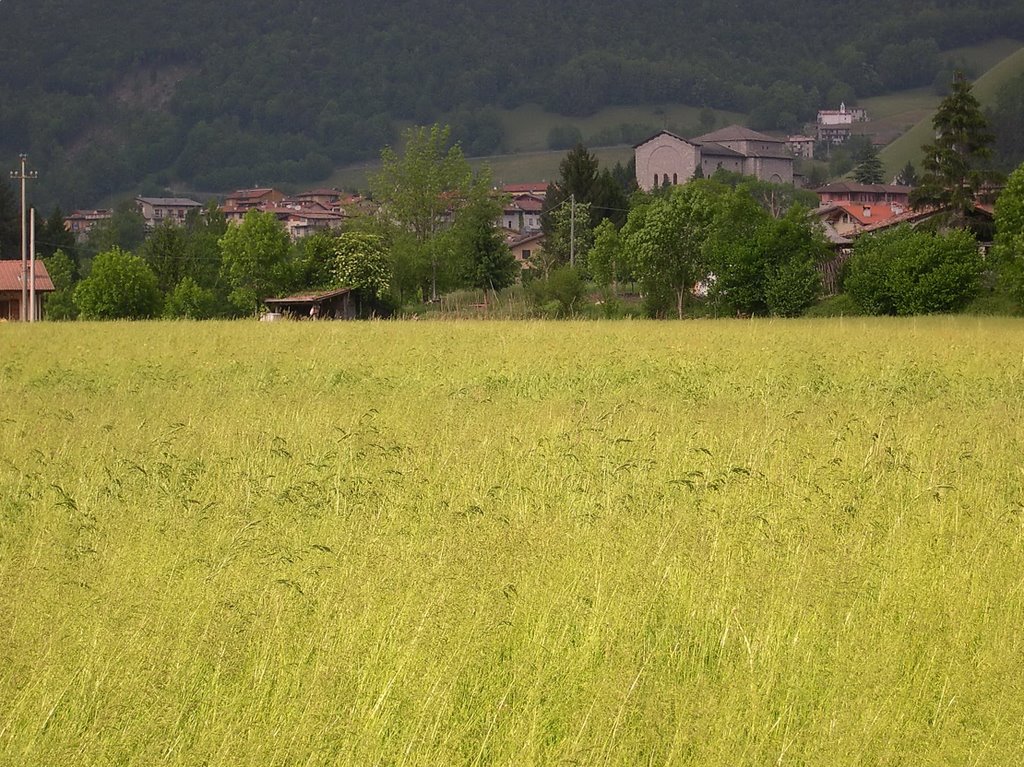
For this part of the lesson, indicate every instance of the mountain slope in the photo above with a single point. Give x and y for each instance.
(213, 95)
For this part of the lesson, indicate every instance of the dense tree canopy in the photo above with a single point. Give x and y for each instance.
(762, 264)
(361, 263)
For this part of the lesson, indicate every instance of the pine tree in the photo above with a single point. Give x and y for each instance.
(869, 170)
(908, 175)
(956, 164)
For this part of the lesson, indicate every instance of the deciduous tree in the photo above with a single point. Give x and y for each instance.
(764, 265)
(421, 188)
(361, 263)
(125, 229)
(189, 300)
(1009, 242)
(254, 260)
(484, 259)
(60, 304)
(605, 257)
(166, 252)
(666, 240)
(119, 286)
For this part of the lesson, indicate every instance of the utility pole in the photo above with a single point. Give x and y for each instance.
(32, 268)
(24, 176)
(572, 230)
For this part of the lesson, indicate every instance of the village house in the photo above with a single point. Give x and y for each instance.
(301, 214)
(156, 210)
(801, 146)
(852, 218)
(298, 221)
(667, 159)
(241, 201)
(81, 222)
(11, 280)
(524, 247)
(835, 126)
(522, 213)
(247, 199)
(304, 222)
(871, 194)
(326, 198)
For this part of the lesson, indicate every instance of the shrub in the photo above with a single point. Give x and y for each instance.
(904, 271)
(561, 294)
(835, 306)
(189, 301)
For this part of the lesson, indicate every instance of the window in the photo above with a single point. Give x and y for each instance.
(675, 178)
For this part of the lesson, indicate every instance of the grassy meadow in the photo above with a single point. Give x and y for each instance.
(523, 543)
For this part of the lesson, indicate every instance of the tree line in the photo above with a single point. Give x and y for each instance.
(729, 244)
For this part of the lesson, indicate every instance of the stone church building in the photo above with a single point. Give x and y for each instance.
(666, 158)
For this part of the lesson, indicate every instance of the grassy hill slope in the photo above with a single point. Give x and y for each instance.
(907, 148)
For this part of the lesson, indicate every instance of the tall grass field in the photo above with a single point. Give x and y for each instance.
(533, 543)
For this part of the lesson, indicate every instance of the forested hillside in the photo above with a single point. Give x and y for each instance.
(110, 94)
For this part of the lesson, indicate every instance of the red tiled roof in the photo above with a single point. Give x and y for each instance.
(907, 216)
(89, 215)
(871, 213)
(10, 276)
(526, 203)
(249, 194)
(322, 215)
(522, 239)
(540, 189)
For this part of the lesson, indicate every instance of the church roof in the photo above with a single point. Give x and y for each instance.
(662, 133)
(736, 133)
(711, 149)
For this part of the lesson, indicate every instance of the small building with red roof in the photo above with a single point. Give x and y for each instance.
(11, 280)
